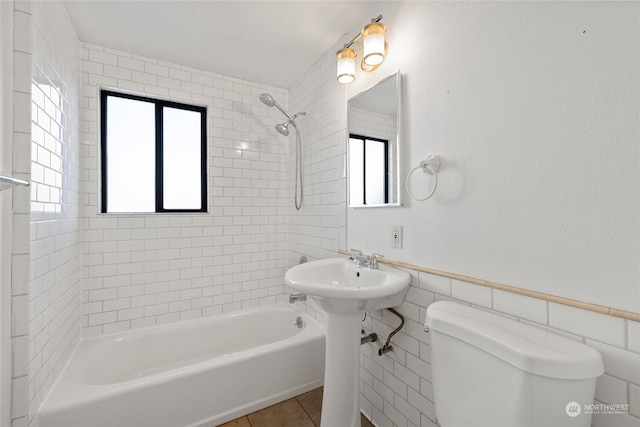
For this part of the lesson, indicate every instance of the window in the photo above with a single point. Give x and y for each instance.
(368, 170)
(153, 155)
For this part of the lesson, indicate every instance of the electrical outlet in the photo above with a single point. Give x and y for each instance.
(396, 236)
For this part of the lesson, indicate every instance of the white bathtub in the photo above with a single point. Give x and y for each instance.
(197, 373)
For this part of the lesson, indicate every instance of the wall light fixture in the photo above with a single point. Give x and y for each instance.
(374, 51)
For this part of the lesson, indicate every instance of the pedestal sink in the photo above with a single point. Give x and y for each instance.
(344, 290)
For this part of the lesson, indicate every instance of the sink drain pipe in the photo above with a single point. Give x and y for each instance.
(387, 347)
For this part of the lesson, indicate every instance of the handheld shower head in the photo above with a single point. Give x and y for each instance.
(267, 99)
(282, 128)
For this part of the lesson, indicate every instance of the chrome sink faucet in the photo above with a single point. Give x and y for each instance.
(364, 260)
(373, 261)
(358, 257)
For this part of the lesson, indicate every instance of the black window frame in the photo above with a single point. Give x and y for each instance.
(159, 177)
(364, 140)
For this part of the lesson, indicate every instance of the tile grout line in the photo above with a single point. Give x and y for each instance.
(305, 411)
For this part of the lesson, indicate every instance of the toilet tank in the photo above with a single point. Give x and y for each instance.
(489, 370)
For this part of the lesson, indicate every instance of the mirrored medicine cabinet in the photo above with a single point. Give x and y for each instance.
(374, 145)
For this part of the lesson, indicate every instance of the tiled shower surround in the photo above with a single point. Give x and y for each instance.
(92, 273)
(49, 328)
(142, 270)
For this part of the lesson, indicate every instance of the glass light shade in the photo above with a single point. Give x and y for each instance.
(373, 46)
(346, 65)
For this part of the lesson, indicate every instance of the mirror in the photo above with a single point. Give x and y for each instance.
(373, 146)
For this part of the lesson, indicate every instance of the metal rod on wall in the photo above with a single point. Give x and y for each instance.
(8, 182)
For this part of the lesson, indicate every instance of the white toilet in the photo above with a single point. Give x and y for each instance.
(491, 371)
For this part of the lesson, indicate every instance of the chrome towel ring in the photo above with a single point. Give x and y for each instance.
(430, 165)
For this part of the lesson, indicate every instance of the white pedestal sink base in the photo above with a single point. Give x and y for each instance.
(345, 289)
(341, 396)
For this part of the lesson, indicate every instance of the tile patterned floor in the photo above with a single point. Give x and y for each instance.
(299, 411)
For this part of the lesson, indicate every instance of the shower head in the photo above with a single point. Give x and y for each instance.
(283, 128)
(267, 99)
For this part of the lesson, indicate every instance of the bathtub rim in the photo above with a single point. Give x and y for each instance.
(89, 345)
(183, 323)
(313, 329)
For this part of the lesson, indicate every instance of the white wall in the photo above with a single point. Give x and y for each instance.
(521, 100)
(55, 249)
(533, 109)
(142, 270)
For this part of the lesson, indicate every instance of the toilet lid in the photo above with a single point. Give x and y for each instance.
(526, 347)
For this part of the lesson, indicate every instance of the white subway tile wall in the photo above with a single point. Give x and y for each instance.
(601, 327)
(369, 123)
(397, 384)
(319, 228)
(147, 269)
(55, 262)
(21, 165)
(634, 336)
